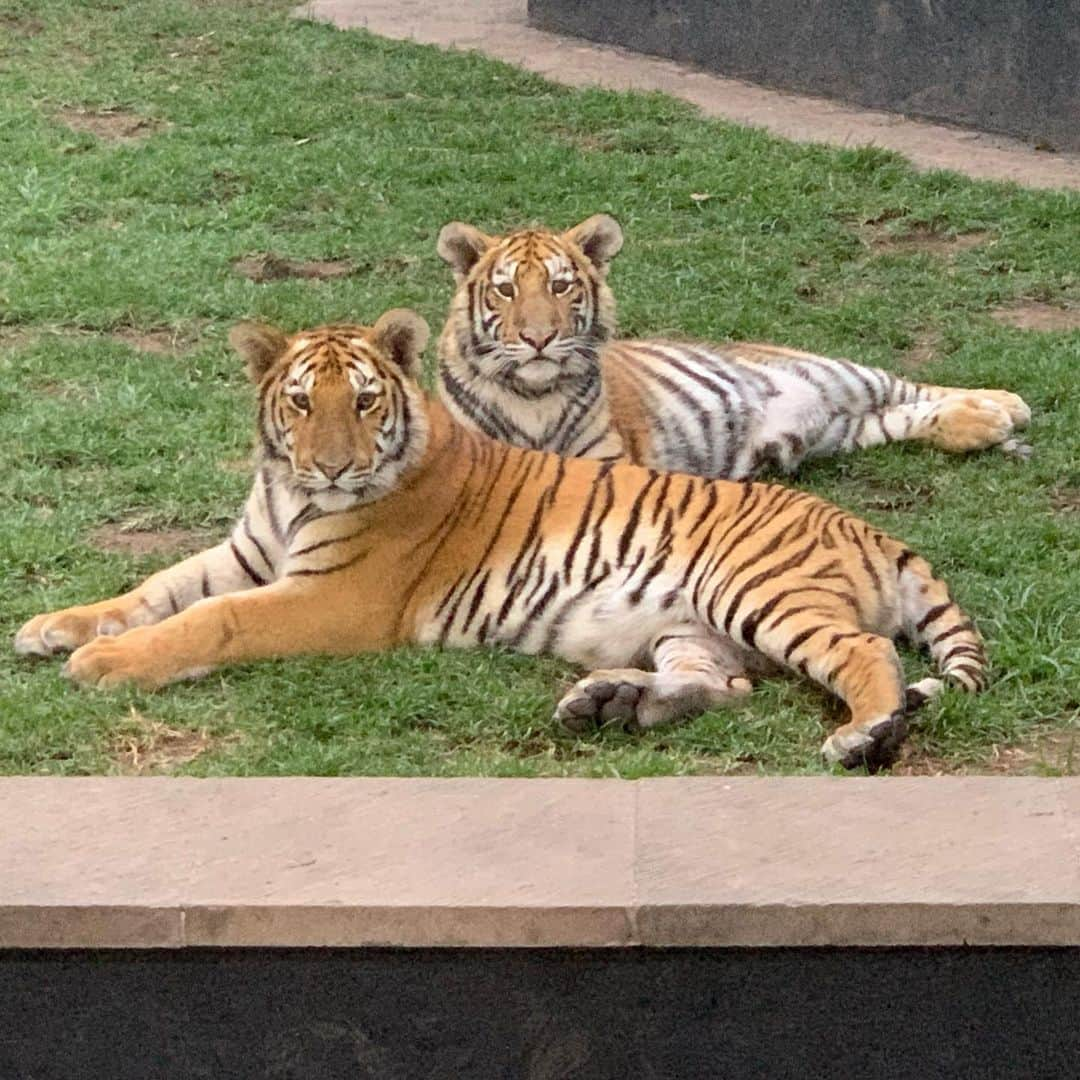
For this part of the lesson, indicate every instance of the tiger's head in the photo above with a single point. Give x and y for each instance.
(532, 307)
(340, 411)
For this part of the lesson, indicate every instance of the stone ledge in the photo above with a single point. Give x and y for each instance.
(165, 863)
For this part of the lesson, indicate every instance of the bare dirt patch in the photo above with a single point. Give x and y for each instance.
(149, 746)
(1066, 500)
(267, 266)
(240, 465)
(161, 342)
(14, 338)
(920, 239)
(126, 540)
(20, 25)
(871, 496)
(922, 350)
(110, 125)
(1037, 315)
(1055, 752)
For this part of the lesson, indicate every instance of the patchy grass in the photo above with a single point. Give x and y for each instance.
(250, 133)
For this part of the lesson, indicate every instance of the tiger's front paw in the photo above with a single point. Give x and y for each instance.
(113, 661)
(63, 631)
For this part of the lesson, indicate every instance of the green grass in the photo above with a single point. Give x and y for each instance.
(290, 137)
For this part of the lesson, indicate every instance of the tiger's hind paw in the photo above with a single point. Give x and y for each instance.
(969, 422)
(1018, 409)
(600, 699)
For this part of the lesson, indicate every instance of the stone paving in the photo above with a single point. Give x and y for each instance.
(499, 28)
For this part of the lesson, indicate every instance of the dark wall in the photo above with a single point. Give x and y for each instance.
(1001, 65)
(455, 1014)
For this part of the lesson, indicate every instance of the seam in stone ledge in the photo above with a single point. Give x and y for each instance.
(1067, 821)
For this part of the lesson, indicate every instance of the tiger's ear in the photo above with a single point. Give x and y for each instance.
(260, 347)
(600, 237)
(402, 335)
(460, 245)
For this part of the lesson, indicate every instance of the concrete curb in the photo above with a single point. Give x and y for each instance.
(168, 863)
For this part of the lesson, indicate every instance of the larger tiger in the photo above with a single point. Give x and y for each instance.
(528, 356)
(375, 519)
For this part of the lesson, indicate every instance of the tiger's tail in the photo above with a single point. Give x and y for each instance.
(933, 619)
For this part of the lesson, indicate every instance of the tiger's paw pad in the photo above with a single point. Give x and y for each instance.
(597, 701)
(874, 746)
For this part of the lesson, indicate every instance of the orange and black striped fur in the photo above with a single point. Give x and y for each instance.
(528, 356)
(376, 519)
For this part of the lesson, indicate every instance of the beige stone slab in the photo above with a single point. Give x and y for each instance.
(500, 29)
(834, 861)
(310, 861)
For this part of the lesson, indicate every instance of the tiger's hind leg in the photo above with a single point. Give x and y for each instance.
(863, 669)
(694, 673)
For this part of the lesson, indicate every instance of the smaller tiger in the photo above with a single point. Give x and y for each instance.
(528, 356)
(375, 520)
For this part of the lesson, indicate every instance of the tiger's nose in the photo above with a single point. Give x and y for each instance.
(331, 472)
(538, 339)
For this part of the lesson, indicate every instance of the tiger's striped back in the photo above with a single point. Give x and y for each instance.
(527, 356)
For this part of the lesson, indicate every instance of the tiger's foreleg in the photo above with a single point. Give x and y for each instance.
(694, 673)
(287, 618)
(247, 559)
(161, 596)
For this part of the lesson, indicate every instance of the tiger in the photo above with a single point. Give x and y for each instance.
(375, 519)
(528, 354)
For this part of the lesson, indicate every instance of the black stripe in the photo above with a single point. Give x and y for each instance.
(797, 559)
(959, 628)
(269, 492)
(258, 547)
(933, 614)
(626, 537)
(315, 572)
(800, 638)
(245, 565)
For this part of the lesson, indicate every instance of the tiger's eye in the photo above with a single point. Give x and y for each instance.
(560, 285)
(506, 288)
(301, 401)
(364, 402)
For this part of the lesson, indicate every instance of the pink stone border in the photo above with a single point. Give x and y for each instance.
(145, 863)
